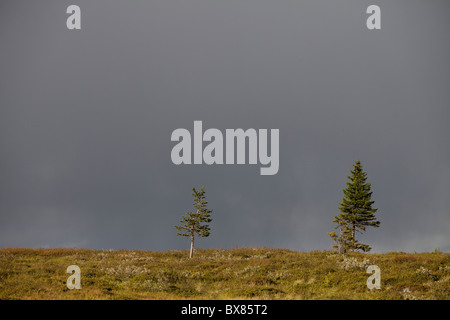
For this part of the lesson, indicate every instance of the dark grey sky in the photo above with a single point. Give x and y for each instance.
(86, 118)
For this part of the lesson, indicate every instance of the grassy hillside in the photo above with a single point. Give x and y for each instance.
(248, 273)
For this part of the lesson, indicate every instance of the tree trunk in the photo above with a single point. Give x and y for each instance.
(353, 237)
(191, 252)
(341, 243)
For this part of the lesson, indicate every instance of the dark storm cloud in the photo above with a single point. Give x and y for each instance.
(86, 119)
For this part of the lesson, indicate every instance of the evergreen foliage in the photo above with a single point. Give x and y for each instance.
(196, 222)
(356, 212)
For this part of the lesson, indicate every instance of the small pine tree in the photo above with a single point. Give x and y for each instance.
(356, 212)
(196, 223)
(341, 240)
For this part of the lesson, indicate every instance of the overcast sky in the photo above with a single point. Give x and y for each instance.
(86, 118)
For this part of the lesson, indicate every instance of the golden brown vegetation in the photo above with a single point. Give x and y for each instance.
(246, 273)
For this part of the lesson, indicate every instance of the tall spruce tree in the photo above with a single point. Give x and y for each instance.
(356, 212)
(196, 223)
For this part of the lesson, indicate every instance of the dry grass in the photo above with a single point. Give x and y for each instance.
(246, 273)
